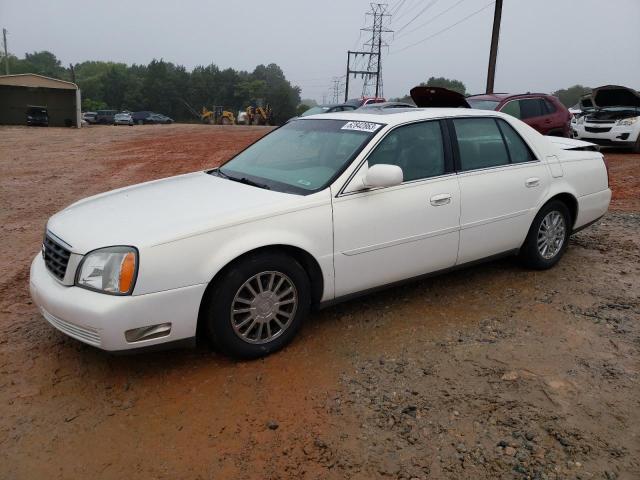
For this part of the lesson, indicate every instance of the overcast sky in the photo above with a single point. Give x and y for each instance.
(544, 44)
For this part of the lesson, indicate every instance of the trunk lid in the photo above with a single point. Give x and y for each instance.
(437, 97)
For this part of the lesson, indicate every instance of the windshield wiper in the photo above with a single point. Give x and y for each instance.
(244, 180)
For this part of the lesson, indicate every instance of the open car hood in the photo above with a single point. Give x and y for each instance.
(615, 96)
(437, 97)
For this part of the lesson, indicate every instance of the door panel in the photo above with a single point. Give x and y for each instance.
(386, 235)
(501, 185)
(498, 206)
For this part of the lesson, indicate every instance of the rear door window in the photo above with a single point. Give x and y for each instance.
(480, 143)
(530, 107)
(512, 108)
(549, 106)
(519, 152)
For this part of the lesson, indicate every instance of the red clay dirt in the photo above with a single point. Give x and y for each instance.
(490, 372)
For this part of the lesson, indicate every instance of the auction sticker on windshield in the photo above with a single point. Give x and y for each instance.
(361, 126)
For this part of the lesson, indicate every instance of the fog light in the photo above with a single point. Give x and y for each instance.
(147, 333)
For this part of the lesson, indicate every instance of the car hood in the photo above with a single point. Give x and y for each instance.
(437, 97)
(615, 96)
(165, 210)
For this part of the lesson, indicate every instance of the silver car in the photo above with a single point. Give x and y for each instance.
(122, 119)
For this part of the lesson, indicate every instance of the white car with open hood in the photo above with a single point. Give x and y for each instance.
(610, 116)
(322, 209)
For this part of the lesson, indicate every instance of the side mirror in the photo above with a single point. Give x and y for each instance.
(383, 175)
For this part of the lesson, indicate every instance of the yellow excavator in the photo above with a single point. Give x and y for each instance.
(259, 115)
(217, 116)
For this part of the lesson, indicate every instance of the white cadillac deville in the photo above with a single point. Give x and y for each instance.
(321, 209)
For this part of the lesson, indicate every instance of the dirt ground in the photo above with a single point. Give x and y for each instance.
(491, 372)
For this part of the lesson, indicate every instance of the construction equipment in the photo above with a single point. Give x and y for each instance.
(259, 115)
(217, 116)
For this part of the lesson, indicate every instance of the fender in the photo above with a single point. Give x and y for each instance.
(197, 259)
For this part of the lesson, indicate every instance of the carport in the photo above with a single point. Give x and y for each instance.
(18, 92)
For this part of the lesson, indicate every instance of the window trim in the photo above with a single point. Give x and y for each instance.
(449, 165)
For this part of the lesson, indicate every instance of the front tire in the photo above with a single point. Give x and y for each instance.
(257, 306)
(548, 236)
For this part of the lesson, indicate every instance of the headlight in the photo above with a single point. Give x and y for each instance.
(111, 270)
(580, 121)
(627, 121)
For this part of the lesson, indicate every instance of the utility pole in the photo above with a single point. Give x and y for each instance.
(379, 14)
(73, 73)
(373, 54)
(336, 89)
(493, 54)
(6, 55)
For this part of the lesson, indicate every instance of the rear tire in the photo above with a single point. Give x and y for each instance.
(548, 236)
(257, 306)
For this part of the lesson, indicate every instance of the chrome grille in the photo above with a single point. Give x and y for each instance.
(84, 334)
(56, 257)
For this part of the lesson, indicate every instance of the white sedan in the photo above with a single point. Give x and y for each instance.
(319, 210)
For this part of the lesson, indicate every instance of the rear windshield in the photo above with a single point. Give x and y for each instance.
(482, 104)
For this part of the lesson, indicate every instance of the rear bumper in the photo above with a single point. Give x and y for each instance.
(101, 320)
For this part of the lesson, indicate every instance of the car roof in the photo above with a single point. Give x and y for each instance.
(394, 116)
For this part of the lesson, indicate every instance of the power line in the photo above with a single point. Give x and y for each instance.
(394, 11)
(410, 9)
(427, 7)
(432, 19)
(443, 30)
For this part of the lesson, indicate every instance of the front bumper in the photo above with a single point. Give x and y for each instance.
(101, 320)
(616, 136)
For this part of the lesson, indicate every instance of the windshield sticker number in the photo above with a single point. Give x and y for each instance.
(361, 126)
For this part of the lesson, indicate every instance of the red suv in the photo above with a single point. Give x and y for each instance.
(543, 112)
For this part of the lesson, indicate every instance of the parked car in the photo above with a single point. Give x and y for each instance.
(359, 102)
(37, 116)
(142, 117)
(105, 117)
(385, 105)
(159, 118)
(543, 112)
(318, 210)
(123, 118)
(612, 119)
(90, 117)
(328, 108)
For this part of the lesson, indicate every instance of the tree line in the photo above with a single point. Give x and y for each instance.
(164, 87)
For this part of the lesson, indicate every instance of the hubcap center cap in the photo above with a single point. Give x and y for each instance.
(265, 304)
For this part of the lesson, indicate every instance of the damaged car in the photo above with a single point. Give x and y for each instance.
(610, 117)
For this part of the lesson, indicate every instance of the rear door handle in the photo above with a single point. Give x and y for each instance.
(532, 182)
(440, 199)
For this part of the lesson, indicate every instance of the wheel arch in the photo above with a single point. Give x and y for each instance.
(570, 201)
(308, 262)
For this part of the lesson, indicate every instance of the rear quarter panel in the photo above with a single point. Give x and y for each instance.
(585, 177)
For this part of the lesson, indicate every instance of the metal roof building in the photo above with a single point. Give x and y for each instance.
(18, 92)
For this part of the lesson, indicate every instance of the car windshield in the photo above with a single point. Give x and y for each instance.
(301, 157)
(314, 110)
(483, 104)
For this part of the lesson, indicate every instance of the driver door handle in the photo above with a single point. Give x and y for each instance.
(441, 199)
